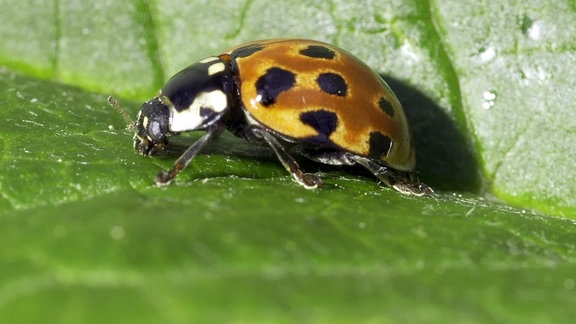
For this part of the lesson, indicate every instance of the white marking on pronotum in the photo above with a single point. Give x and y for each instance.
(216, 68)
(209, 59)
(190, 119)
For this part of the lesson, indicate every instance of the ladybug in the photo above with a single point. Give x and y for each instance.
(293, 95)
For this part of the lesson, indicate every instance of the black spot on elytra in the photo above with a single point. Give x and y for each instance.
(380, 145)
(333, 84)
(271, 84)
(246, 50)
(323, 121)
(386, 106)
(317, 51)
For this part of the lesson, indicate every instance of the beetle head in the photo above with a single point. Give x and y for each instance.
(152, 127)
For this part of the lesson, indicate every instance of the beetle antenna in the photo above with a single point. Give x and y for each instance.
(114, 103)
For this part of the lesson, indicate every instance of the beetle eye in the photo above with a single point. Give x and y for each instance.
(157, 136)
(155, 132)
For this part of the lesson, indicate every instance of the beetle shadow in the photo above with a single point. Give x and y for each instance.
(445, 157)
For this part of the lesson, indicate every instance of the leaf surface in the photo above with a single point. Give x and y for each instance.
(87, 237)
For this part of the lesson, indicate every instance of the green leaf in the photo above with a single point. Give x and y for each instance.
(515, 68)
(87, 237)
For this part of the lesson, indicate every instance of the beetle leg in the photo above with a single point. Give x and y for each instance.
(392, 178)
(307, 180)
(165, 177)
